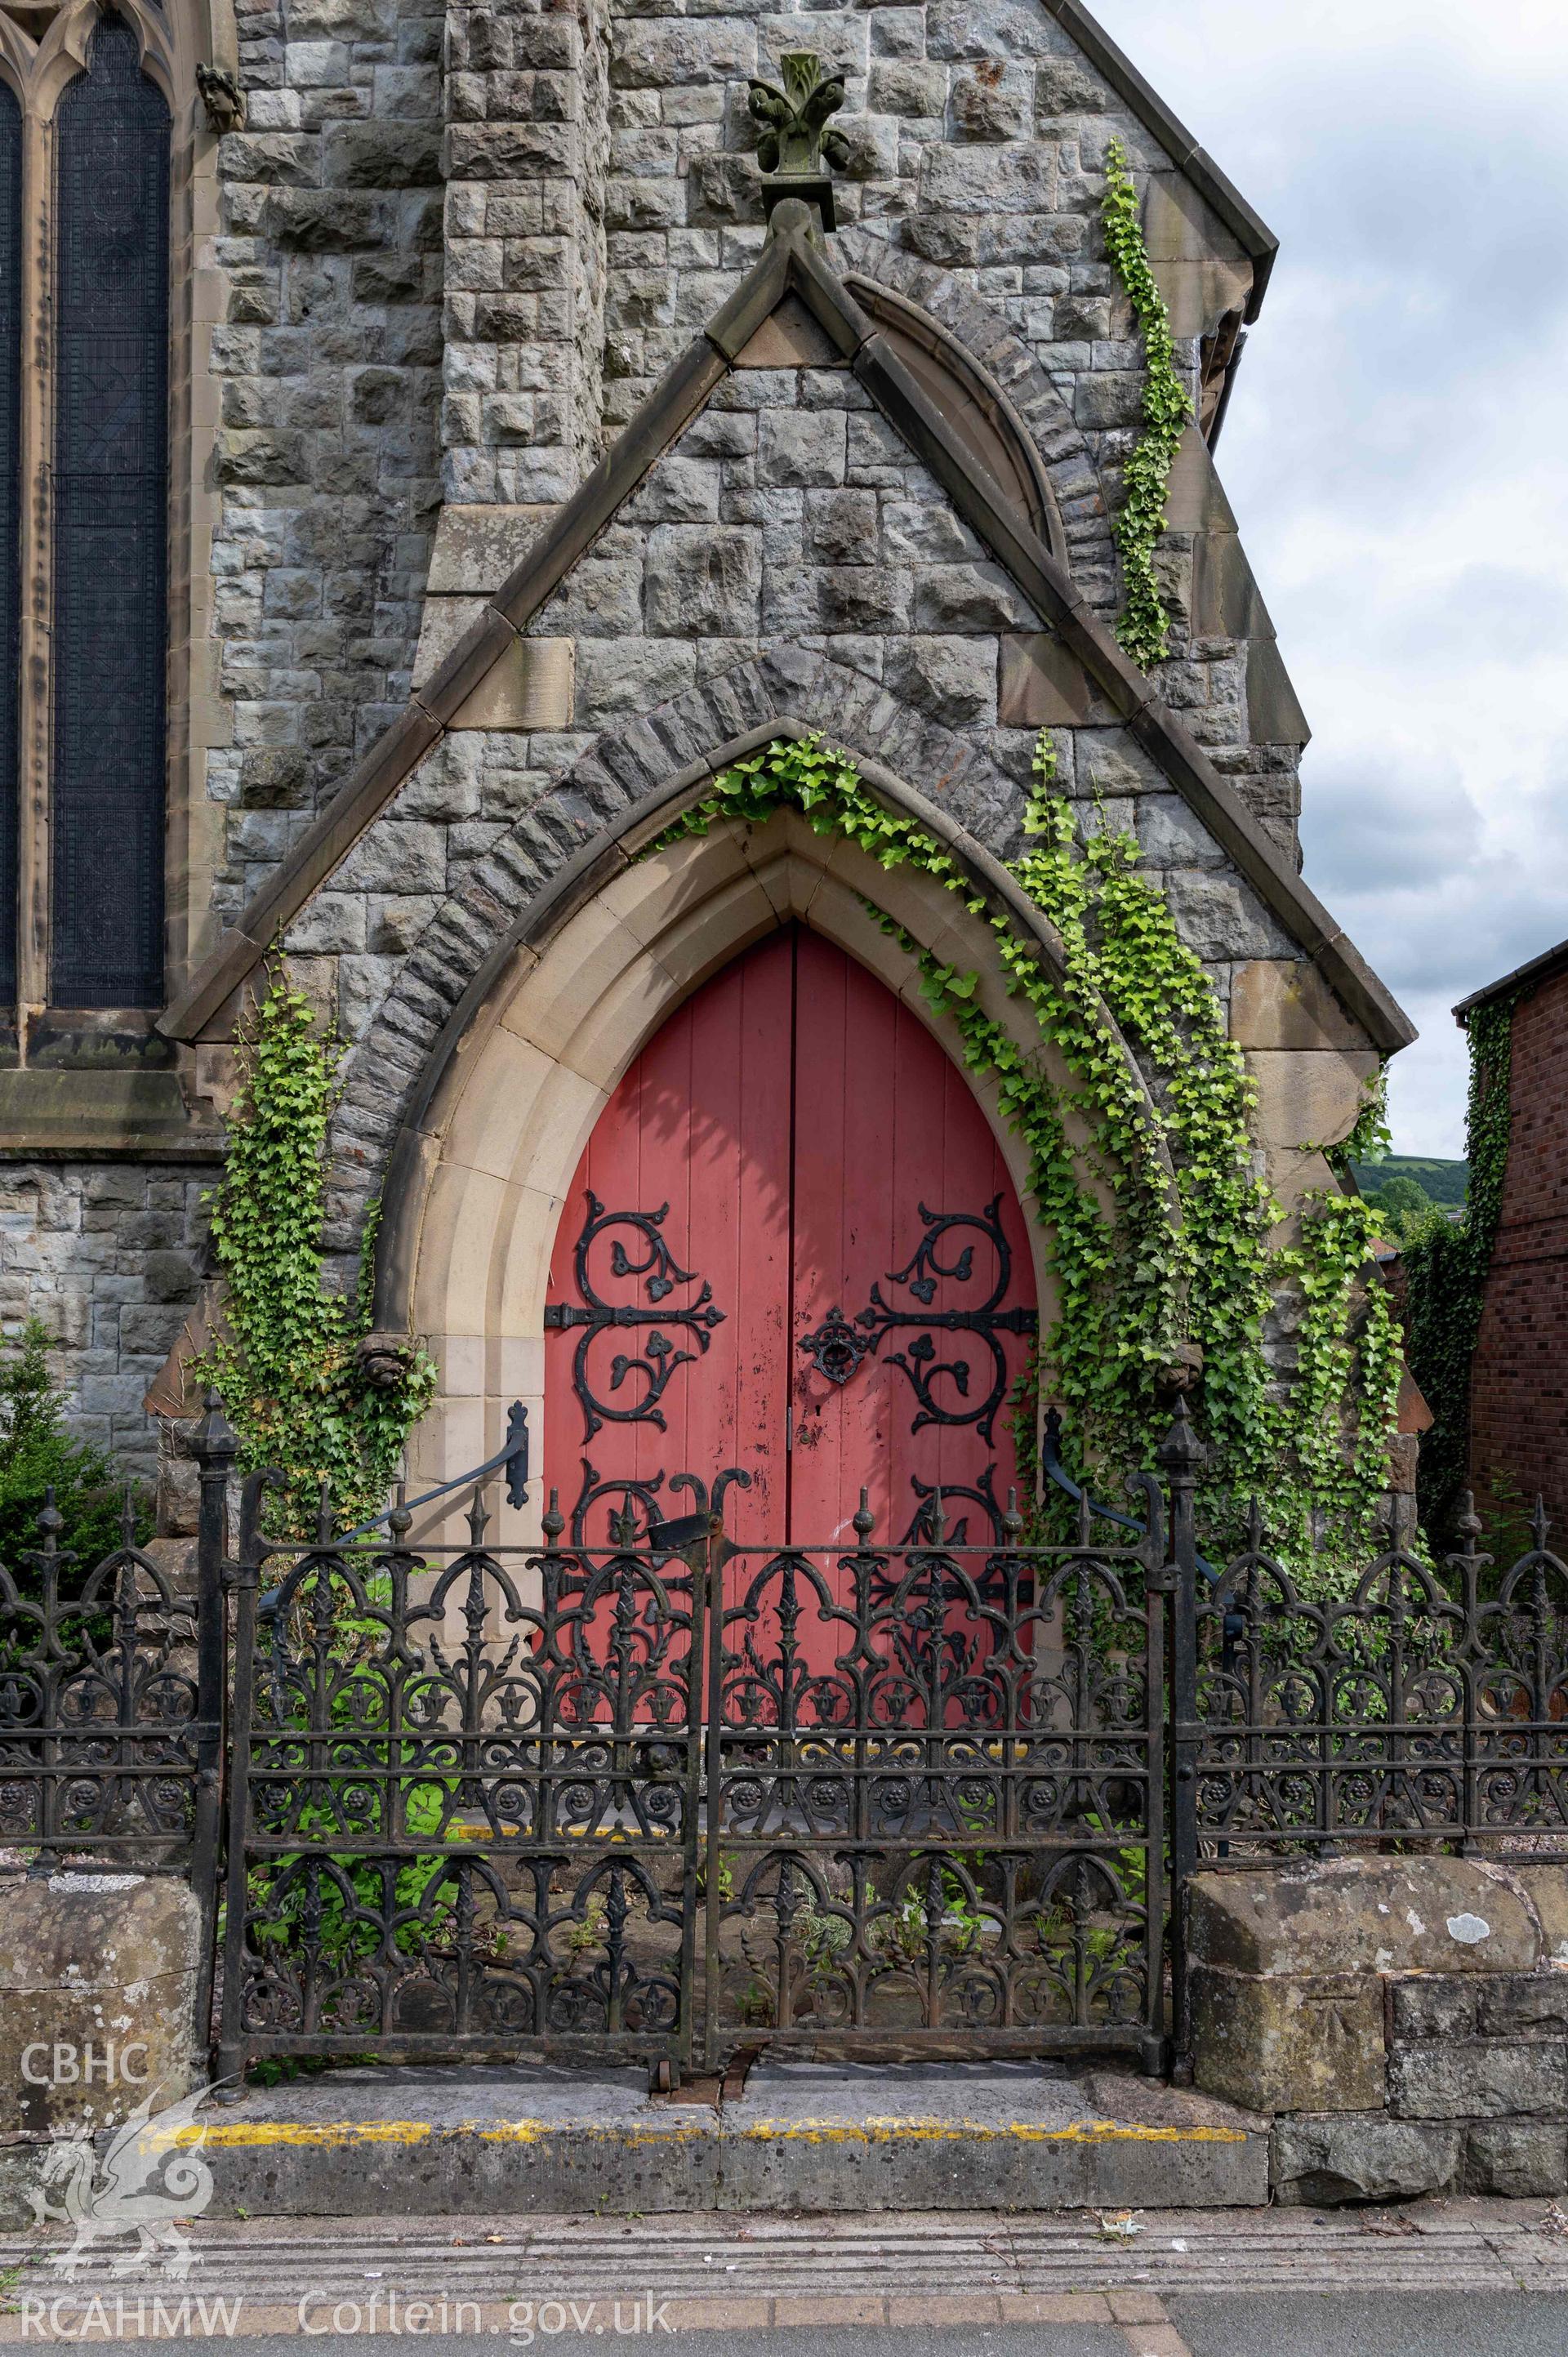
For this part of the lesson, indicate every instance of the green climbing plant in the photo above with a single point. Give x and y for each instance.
(1159, 1226)
(1211, 1266)
(287, 1360)
(1144, 625)
(1345, 1395)
(1446, 1263)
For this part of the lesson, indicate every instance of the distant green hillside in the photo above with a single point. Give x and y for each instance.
(1440, 1182)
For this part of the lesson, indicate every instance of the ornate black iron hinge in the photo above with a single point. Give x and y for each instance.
(659, 1357)
(838, 1344)
(931, 1525)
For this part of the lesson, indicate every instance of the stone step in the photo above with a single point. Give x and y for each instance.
(802, 2137)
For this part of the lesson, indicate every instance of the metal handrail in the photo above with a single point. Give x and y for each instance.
(1054, 1471)
(512, 1453)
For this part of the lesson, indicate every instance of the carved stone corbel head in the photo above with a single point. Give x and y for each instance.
(383, 1359)
(222, 97)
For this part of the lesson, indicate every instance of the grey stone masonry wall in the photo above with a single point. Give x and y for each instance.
(790, 514)
(978, 132)
(600, 203)
(526, 148)
(108, 1256)
(788, 554)
(327, 372)
(1405, 2021)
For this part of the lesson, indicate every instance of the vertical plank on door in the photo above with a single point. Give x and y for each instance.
(701, 1121)
(884, 1123)
(847, 1095)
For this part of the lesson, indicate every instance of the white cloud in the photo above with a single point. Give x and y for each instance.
(1394, 455)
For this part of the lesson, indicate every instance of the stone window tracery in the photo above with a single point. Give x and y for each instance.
(98, 119)
(10, 518)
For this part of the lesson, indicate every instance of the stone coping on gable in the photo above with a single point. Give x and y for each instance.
(789, 264)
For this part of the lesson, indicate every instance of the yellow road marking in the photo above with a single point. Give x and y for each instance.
(234, 2134)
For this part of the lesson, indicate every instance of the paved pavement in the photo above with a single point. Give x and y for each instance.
(1373, 2324)
(1461, 2278)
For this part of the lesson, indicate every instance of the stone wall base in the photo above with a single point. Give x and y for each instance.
(1403, 2020)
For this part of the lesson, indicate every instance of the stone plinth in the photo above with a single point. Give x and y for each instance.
(98, 1974)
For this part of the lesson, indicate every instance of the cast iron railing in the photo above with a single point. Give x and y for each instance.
(111, 1678)
(672, 1795)
(1428, 1703)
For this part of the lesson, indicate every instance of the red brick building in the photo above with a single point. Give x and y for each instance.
(1518, 1386)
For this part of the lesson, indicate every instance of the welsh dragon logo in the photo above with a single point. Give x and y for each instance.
(150, 2182)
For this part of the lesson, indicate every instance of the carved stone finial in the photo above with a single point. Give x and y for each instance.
(796, 143)
(797, 116)
(222, 97)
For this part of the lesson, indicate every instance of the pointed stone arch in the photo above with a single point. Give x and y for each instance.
(628, 786)
(563, 997)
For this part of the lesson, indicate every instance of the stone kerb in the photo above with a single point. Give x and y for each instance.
(1404, 2020)
(98, 1984)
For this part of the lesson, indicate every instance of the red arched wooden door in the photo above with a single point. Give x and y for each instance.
(792, 1248)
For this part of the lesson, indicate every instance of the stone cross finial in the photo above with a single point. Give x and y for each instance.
(796, 141)
(796, 116)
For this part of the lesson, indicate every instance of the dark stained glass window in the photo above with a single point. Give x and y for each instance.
(111, 508)
(10, 527)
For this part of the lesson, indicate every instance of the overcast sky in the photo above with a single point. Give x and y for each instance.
(1395, 454)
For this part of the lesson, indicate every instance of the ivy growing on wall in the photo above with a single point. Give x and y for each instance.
(287, 1361)
(1145, 1266)
(1143, 626)
(1446, 1263)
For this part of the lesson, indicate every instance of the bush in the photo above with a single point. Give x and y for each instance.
(1399, 1203)
(37, 1454)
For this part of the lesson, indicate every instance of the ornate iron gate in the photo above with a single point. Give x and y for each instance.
(637, 1802)
(664, 1800)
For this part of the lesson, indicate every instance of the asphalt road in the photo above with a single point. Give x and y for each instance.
(1392, 2324)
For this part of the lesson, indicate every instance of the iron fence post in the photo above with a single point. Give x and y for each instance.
(1469, 1564)
(1157, 1583)
(215, 1446)
(243, 1578)
(47, 1561)
(707, 1573)
(1180, 1454)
